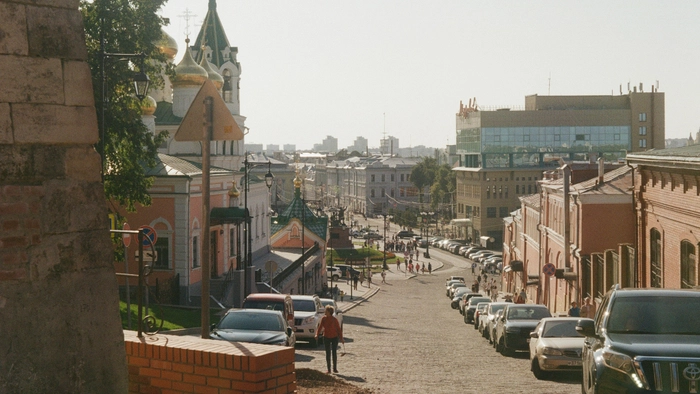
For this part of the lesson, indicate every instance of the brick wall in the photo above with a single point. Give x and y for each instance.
(173, 364)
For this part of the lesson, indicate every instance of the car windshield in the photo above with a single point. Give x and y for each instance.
(304, 306)
(475, 300)
(327, 302)
(269, 305)
(655, 315)
(496, 308)
(560, 329)
(527, 313)
(251, 321)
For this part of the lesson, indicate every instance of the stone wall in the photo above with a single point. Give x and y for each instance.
(59, 319)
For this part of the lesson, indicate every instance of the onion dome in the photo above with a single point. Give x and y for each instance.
(167, 45)
(213, 75)
(297, 182)
(148, 106)
(188, 72)
(233, 192)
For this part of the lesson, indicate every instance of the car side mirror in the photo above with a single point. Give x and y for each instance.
(212, 327)
(586, 327)
(534, 334)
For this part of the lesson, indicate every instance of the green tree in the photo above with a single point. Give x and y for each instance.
(130, 26)
(442, 189)
(423, 175)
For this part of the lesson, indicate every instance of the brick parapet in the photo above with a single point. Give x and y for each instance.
(175, 364)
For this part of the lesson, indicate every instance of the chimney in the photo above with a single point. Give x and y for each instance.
(601, 170)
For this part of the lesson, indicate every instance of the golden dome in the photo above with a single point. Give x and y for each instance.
(297, 182)
(233, 192)
(148, 106)
(167, 45)
(213, 75)
(188, 72)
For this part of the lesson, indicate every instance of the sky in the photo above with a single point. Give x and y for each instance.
(401, 67)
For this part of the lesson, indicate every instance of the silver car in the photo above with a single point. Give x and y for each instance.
(555, 345)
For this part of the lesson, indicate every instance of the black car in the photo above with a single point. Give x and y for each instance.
(513, 328)
(643, 341)
(470, 308)
(255, 326)
(405, 234)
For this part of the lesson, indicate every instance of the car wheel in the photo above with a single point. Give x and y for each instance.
(536, 370)
(505, 350)
(335, 278)
(588, 384)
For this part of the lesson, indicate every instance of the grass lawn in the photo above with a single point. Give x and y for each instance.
(340, 256)
(174, 317)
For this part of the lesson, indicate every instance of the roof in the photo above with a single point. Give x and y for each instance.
(297, 209)
(532, 200)
(683, 157)
(690, 151)
(213, 35)
(221, 215)
(618, 181)
(164, 114)
(168, 166)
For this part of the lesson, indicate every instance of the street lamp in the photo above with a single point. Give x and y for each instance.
(385, 266)
(269, 178)
(140, 79)
(427, 231)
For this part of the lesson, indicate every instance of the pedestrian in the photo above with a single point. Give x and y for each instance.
(588, 309)
(335, 292)
(355, 279)
(417, 268)
(332, 333)
(405, 264)
(369, 278)
(383, 276)
(416, 253)
(473, 268)
(423, 268)
(430, 268)
(574, 311)
(362, 277)
(398, 264)
(520, 298)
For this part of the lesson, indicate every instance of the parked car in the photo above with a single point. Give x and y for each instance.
(333, 273)
(492, 327)
(346, 270)
(449, 283)
(487, 323)
(473, 253)
(471, 248)
(405, 234)
(336, 312)
(480, 310)
(514, 326)
(452, 287)
(463, 303)
(255, 326)
(643, 340)
(470, 308)
(479, 257)
(458, 278)
(273, 302)
(454, 247)
(457, 296)
(372, 236)
(555, 345)
(308, 312)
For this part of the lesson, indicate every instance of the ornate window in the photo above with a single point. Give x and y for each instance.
(655, 257)
(688, 265)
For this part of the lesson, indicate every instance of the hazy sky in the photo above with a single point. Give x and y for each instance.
(359, 68)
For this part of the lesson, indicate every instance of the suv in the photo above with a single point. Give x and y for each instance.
(333, 273)
(643, 341)
(308, 312)
(274, 302)
(405, 234)
(514, 326)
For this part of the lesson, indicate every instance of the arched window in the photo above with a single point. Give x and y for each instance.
(227, 88)
(655, 257)
(688, 265)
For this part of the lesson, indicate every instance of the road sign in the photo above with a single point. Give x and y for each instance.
(224, 127)
(150, 236)
(549, 269)
(126, 238)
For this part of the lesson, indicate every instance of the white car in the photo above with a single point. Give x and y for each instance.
(334, 273)
(338, 314)
(488, 323)
(308, 312)
(555, 345)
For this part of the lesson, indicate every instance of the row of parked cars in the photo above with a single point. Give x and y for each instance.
(492, 261)
(639, 341)
(274, 319)
(553, 342)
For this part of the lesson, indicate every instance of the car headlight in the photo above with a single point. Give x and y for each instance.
(309, 320)
(623, 363)
(550, 351)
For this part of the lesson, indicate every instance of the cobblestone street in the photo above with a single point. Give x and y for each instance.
(407, 339)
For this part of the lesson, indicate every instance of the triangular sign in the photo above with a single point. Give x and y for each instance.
(224, 127)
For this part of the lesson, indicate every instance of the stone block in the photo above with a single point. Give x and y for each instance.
(56, 32)
(5, 124)
(31, 163)
(78, 84)
(83, 164)
(54, 124)
(31, 80)
(13, 30)
(70, 4)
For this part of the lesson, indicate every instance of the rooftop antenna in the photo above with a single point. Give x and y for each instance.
(549, 84)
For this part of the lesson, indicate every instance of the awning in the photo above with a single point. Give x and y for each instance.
(227, 215)
(515, 266)
(461, 222)
(533, 280)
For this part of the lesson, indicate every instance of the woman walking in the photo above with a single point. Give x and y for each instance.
(332, 333)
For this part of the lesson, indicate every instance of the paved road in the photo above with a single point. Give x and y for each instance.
(407, 339)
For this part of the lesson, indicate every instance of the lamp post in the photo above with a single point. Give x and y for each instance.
(269, 178)
(140, 79)
(427, 216)
(384, 265)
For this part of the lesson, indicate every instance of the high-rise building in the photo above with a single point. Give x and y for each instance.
(503, 153)
(272, 148)
(329, 145)
(360, 145)
(389, 145)
(289, 148)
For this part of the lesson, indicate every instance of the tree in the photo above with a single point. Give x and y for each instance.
(423, 174)
(443, 187)
(130, 26)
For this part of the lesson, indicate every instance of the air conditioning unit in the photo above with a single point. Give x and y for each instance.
(565, 273)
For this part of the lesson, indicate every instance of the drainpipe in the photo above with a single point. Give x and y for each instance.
(638, 232)
(567, 219)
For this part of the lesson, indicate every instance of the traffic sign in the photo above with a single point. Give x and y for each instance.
(150, 236)
(126, 238)
(549, 269)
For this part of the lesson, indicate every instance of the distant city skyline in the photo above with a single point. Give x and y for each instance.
(313, 69)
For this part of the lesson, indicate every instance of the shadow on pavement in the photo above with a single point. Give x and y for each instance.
(351, 378)
(364, 322)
